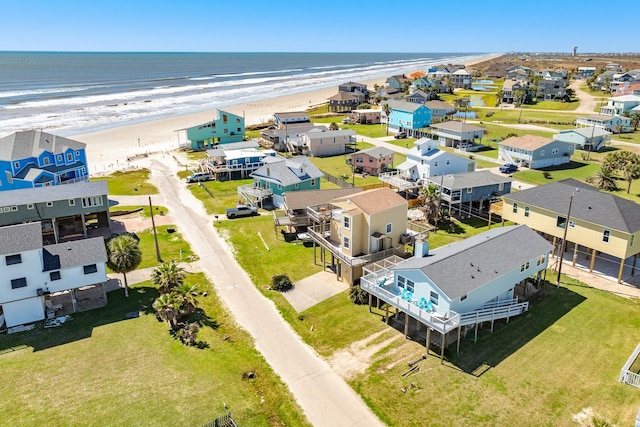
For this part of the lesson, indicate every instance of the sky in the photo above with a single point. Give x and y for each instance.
(318, 26)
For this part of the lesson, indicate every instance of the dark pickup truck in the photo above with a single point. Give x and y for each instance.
(240, 211)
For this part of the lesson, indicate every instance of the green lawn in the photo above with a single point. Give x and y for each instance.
(554, 105)
(337, 166)
(373, 131)
(557, 120)
(575, 169)
(100, 369)
(217, 196)
(170, 244)
(130, 183)
(144, 213)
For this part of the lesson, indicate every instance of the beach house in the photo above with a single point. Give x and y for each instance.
(65, 212)
(279, 175)
(34, 158)
(603, 232)
(407, 116)
(462, 284)
(235, 160)
(343, 102)
(593, 139)
(614, 124)
(373, 160)
(30, 272)
(454, 133)
(223, 129)
(324, 142)
(535, 152)
(358, 229)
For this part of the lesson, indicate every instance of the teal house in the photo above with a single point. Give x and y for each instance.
(408, 116)
(34, 158)
(223, 129)
(280, 175)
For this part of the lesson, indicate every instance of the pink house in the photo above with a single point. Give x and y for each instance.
(372, 161)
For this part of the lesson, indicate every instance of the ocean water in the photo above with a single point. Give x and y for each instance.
(68, 93)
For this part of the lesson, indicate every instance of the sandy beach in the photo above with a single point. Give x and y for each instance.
(108, 150)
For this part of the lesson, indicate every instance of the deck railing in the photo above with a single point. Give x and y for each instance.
(319, 235)
(628, 377)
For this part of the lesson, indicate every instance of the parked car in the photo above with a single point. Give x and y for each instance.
(199, 177)
(400, 135)
(346, 121)
(508, 168)
(241, 210)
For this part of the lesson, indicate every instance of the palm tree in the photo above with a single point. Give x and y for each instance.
(187, 294)
(123, 256)
(387, 112)
(168, 308)
(604, 179)
(333, 126)
(167, 276)
(430, 202)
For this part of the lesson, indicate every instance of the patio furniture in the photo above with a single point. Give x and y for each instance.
(429, 306)
(423, 303)
(382, 282)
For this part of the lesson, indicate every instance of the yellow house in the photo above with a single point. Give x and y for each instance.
(358, 229)
(598, 222)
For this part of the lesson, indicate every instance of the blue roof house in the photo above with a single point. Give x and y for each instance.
(408, 116)
(464, 283)
(33, 158)
(279, 175)
(223, 129)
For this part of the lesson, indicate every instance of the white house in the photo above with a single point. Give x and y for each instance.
(30, 271)
(619, 105)
(615, 124)
(535, 152)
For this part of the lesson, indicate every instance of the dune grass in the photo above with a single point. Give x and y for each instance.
(101, 369)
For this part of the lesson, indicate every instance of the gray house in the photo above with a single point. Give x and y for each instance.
(590, 139)
(535, 152)
(470, 191)
(63, 210)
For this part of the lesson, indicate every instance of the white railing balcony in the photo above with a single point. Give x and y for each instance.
(255, 191)
(73, 180)
(399, 179)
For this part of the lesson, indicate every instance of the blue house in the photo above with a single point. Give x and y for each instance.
(34, 158)
(278, 176)
(226, 163)
(535, 152)
(223, 129)
(462, 284)
(408, 116)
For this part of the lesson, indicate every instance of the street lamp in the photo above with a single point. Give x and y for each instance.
(564, 237)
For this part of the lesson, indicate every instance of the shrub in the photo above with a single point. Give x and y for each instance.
(357, 295)
(281, 282)
(489, 114)
(547, 175)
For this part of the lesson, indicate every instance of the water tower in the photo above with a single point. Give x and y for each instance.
(575, 49)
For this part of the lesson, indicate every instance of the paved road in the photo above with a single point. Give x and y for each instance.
(324, 396)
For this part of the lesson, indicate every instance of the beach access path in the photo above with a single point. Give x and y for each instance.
(325, 398)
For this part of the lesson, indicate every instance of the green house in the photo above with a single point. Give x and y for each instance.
(223, 129)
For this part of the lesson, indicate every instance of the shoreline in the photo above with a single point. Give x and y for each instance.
(108, 150)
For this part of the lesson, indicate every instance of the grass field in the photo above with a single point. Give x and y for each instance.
(144, 213)
(130, 183)
(216, 196)
(100, 369)
(171, 246)
(557, 120)
(553, 105)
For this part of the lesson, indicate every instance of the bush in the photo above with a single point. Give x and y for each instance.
(281, 282)
(489, 114)
(357, 295)
(547, 175)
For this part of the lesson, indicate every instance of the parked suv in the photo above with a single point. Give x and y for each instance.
(400, 135)
(199, 176)
(508, 168)
(240, 211)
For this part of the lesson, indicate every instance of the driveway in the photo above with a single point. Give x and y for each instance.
(324, 396)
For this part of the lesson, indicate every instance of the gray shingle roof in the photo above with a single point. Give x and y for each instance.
(20, 238)
(376, 152)
(53, 193)
(30, 143)
(457, 126)
(303, 199)
(281, 170)
(403, 105)
(79, 252)
(469, 180)
(589, 204)
(461, 267)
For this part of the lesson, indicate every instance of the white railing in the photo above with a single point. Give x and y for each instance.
(628, 377)
(496, 313)
(398, 179)
(73, 180)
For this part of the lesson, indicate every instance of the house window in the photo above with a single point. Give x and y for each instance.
(410, 285)
(633, 238)
(526, 211)
(88, 202)
(469, 190)
(77, 153)
(297, 186)
(225, 119)
(313, 182)
(13, 259)
(226, 131)
(388, 228)
(72, 202)
(14, 209)
(540, 260)
(433, 297)
(435, 164)
(239, 130)
(346, 222)
(9, 177)
(19, 283)
(59, 157)
(521, 268)
(606, 234)
(515, 208)
(45, 161)
(448, 161)
(541, 153)
(279, 186)
(345, 242)
(401, 282)
(561, 222)
(16, 165)
(70, 157)
(49, 204)
(54, 275)
(463, 297)
(6, 209)
(91, 268)
(84, 170)
(30, 206)
(554, 151)
(238, 121)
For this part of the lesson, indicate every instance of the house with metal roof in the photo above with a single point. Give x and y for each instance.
(454, 133)
(599, 223)
(31, 272)
(357, 229)
(223, 129)
(619, 105)
(462, 284)
(470, 192)
(373, 160)
(423, 161)
(64, 211)
(34, 158)
(407, 116)
(279, 175)
(535, 152)
(225, 164)
(593, 139)
(291, 119)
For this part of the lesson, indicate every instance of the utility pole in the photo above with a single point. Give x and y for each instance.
(564, 237)
(155, 234)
